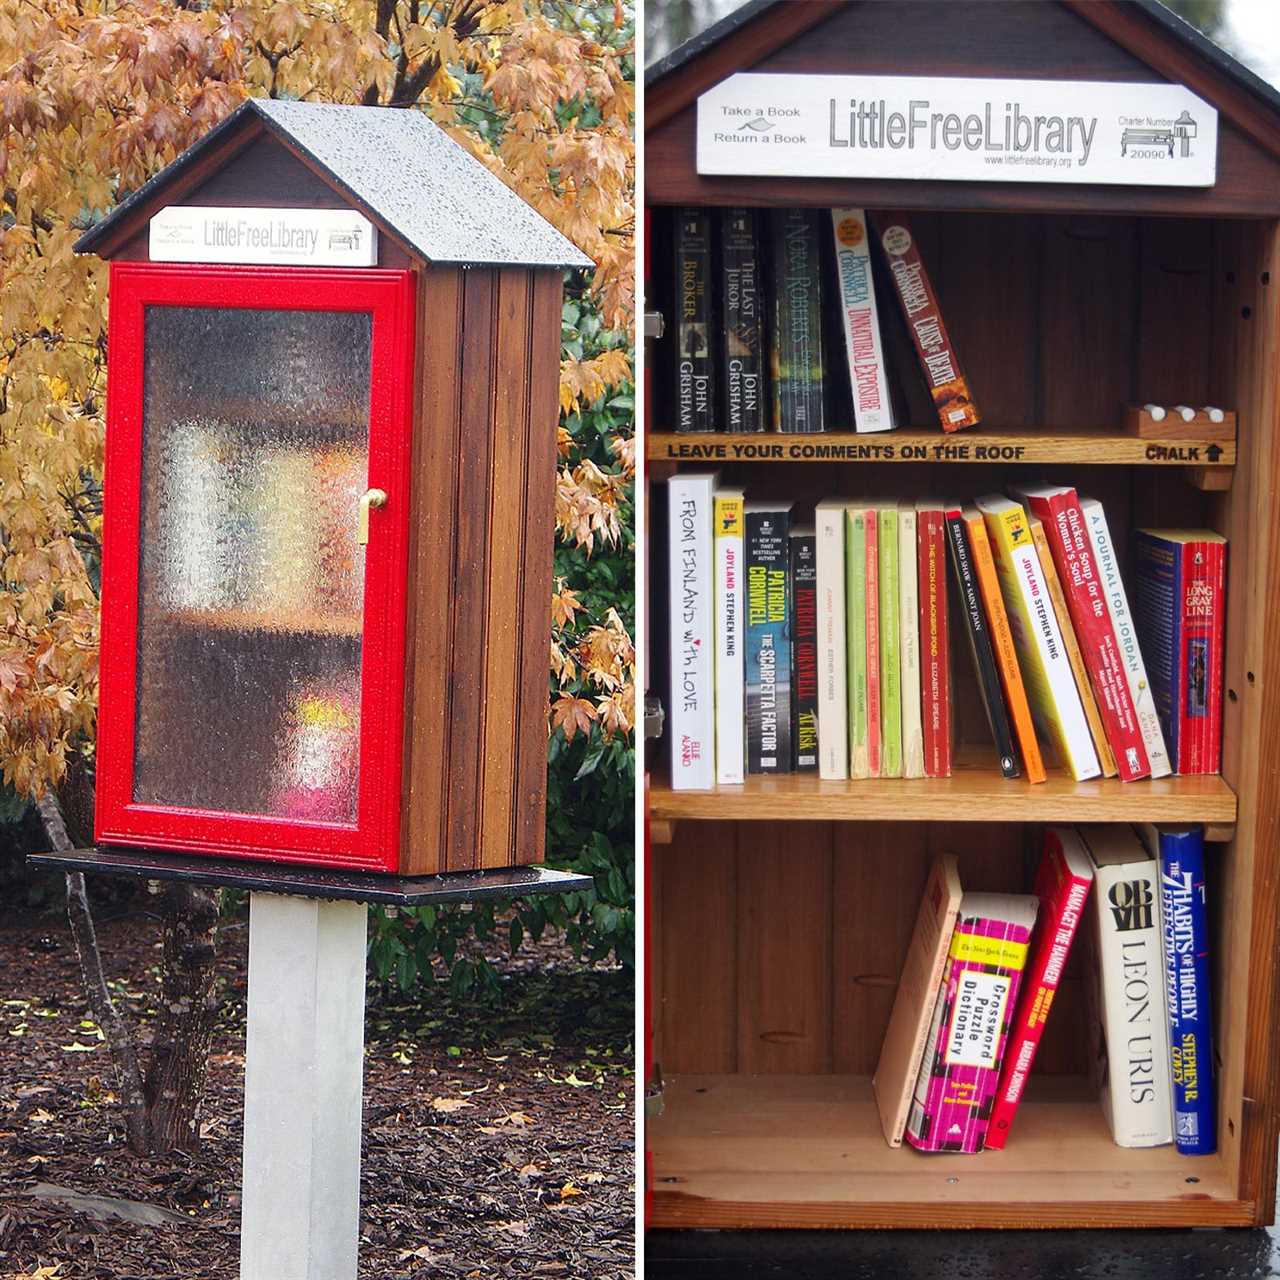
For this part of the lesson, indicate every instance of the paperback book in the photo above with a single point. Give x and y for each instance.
(695, 381)
(909, 640)
(743, 307)
(833, 701)
(856, 637)
(935, 657)
(864, 346)
(768, 658)
(890, 653)
(804, 649)
(730, 660)
(795, 353)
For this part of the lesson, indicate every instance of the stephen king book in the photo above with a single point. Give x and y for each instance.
(768, 672)
(804, 649)
(795, 353)
(742, 303)
(695, 381)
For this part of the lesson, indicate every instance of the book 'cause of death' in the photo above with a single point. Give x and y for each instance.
(864, 347)
(695, 382)
(730, 592)
(795, 336)
(804, 649)
(768, 673)
(743, 320)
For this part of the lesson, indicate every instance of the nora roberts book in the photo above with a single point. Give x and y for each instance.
(795, 352)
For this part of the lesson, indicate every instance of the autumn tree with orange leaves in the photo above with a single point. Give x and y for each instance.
(97, 96)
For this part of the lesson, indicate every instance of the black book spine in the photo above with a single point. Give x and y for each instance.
(695, 380)
(978, 634)
(804, 651)
(743, 306)
(795, 339)
(768, 652)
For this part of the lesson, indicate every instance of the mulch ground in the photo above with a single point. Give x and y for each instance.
(498, 1141)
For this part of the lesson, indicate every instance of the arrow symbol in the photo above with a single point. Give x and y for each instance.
(1213, 452)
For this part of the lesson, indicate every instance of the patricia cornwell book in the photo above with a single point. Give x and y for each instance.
(743, 310)
(768, 673)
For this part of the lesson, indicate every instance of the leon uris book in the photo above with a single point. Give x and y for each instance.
(730, 568)
(855, 563)
(909, 640)
(1037, 637)
(905, 1039)
(768, 675)
(1180, 579)
(795, 335)
(947, 383)
(1015, 693)
(978, 635)
(1101, 747)
(742, 303)
(1108, 561)
(804, 649)
(1185, 930)
(956, 1087)
(1061, 887)
(889, 643)
(833, 704)
(1131, 1055)
(864, 347)
(935, 654)
(695, 380)
(691, 714)
(1058, 509)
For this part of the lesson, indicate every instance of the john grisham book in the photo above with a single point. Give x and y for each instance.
(795, 350)
(743, 306)
(768, 672)
(695, 382)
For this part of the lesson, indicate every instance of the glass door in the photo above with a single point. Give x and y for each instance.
(255, 552)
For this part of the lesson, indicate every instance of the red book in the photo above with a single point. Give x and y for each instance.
(873, 645)
(1062, 885)
(1058, 509)
(935, 665)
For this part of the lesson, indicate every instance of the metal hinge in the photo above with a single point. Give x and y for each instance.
(654, 716)
(653, 1093)
(654, 325)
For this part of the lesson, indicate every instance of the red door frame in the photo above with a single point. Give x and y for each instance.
(373, 843)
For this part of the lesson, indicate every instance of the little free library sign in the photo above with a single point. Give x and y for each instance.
(961, 129)
(300, 237)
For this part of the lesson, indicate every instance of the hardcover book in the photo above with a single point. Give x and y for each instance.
(691, 709)
(889, 643)
(1131, 1053)
(864, 347)
(935, 656)
(1037, 638)
(905, 1040)
(909, 641)
(956, 1087)
(804, 649)
(1144, 704)
(833, 701)
(1180, 579)
(855, 562)
(1058, 509)
(743, 308)
(795, 351)
(947, 384)
(768, 675)
(729, 629)
(695, 380)
(1061, 887)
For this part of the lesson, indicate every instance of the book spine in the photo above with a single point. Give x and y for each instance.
(864, 347)
(890, 645)
(979, 639)
(909, 643)
(1135, 670)
(1186, 955)
(1101, 747)
(856, 580)
(804, 653)
(694, 323)
(1069, 544)
(833, 700)
(935, 658)
(743, 306)
(692, 716)
(1202, 613)
(795, 352)
(1210, 736)
(947, 383)
(875, 655)
(768, 644)
(730, 663)
(1158, 597)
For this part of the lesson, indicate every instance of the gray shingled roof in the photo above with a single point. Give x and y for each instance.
(402, 169)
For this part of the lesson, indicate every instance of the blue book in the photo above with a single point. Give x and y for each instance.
(768, 652)
(1185, 929)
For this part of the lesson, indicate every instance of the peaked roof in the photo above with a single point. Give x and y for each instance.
(398, 167)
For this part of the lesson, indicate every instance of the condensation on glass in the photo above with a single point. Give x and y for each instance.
(255, 455)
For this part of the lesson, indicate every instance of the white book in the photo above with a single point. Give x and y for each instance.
(1037, 636)
(872, 407)
(730, 629)
(833, 709)
(691, 709)
(909, 641)
(1144, 700)
(1137, 1093)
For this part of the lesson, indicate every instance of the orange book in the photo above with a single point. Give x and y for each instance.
(1015, 694)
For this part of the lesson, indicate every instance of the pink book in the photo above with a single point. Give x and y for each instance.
(957, 1083)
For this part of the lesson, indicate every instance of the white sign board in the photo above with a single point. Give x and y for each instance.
(299, 237)
(958, 129)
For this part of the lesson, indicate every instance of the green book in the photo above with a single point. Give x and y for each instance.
(855, 565)
(890, 650)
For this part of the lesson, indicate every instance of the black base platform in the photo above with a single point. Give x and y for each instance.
(314, 882)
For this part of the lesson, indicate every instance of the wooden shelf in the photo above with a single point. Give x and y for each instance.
(310, 622)
(808, 1151)
(975, 792)
(988, 444)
